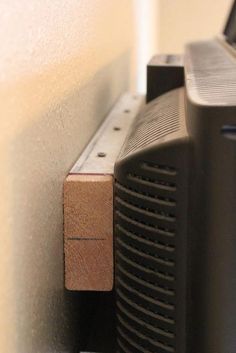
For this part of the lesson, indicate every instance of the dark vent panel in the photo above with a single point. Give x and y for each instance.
(150, 229)
(159, 119)
(210, 74)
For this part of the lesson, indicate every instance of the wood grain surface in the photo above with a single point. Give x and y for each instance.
(88, 232)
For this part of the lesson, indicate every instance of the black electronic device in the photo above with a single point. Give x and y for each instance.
(175, 208)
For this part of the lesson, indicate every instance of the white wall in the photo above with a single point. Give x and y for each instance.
(146, 40)
(186, 20)
(63, 64)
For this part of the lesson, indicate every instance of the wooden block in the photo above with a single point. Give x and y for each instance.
(88, 202)
(88, 229)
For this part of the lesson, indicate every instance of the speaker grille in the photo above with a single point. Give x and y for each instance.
(145, 249)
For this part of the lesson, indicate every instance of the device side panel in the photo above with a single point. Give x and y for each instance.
(164, 73)
(213, 228)
(151, 205)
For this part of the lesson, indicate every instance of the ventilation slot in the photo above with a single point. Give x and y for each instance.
(148, 240)
(145, 196)
(160, 118)
(159, 169)
(145, 228)
(155, 183)
(161, 215)
(139, 339)
(147, 298)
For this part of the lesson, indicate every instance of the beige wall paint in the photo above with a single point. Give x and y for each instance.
(186, 20)
(63, 64)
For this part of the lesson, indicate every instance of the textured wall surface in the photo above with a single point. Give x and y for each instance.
(63, 64)
(187, 20)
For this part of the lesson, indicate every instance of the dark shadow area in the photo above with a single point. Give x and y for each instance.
(102, 335)
(83, 310)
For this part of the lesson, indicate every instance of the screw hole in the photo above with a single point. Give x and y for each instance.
(127, 111)
(116, 128)
(101, 154)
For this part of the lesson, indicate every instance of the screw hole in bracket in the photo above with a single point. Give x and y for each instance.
(101, 154)
(116, 128)
(229, 131)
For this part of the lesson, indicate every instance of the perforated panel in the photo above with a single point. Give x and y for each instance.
(210, 74)
(152, 124)
(146, 260)
(150, 230)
